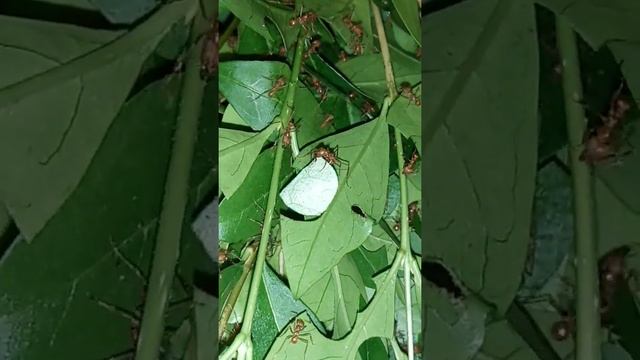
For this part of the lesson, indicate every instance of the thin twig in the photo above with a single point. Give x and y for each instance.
(587, 299)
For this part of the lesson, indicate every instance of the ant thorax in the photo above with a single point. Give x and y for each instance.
(328, 155)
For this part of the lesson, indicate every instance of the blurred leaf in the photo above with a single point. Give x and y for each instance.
(58, 97)
(481, 160)
(205, 313)
(42, 307)
(456, 330)
(124, 11)
(552, 228)
(312, 248)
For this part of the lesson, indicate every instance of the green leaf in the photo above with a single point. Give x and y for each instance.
(374, 321)
(61, 87)
(481, 162)
(312, 248)
(407, 10)
(240, 213)
(328, 9)
(206, 321)
(367, 72)
(117, 200)
(336, 297)
(246, 84)
(238, 151)
(406, 116)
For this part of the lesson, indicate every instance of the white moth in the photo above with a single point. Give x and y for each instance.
(312, 190)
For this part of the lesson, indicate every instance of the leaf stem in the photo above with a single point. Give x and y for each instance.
(174, 202)
(228, 31)
(384, 49)
(587, 300)
(133, 41)
(235, 292)
(405, 248)
(243, 341)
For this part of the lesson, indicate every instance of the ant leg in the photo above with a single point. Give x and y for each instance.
(136, 270)
(134, 318)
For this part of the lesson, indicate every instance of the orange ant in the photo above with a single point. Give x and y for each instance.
(305, 19)
(230, 334)
(409, 167)
(358, 33)
(320, 90)
(328, 119)
(286, 137)
(367, 109)
(413, 211)
(313, 48)
(296, 333)
(407, 91)
(612, 274)
(328, 155)
(602, 142)
(223, 256)
(352, 96)
(282, 52)
(343, 56)
(278, 85)
(561, 329)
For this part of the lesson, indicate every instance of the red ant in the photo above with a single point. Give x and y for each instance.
(305, 19)
(367, 109)
(313, 48)
(407, 91)
(320, 90)
(601, 143)
(328, 119)
(409, 167)
(358, 33)
(413, 211)
(328, 155)
(286, 137)
(278, 85)
(209, 54)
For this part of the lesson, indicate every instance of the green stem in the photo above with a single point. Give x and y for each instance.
(587, 300)
(244, 337)
(386, 56)
(135, 40)
(235, 292)
(174, 203)
(405, 248)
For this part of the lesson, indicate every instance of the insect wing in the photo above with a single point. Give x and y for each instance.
(311, 192)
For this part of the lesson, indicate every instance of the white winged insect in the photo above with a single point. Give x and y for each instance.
(313, 189)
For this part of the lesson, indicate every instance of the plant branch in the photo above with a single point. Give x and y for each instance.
(157, 25)
(235, 292)
(242, 343)
(384, 49)
(404, 252)
(587, 300)
(174, 202)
